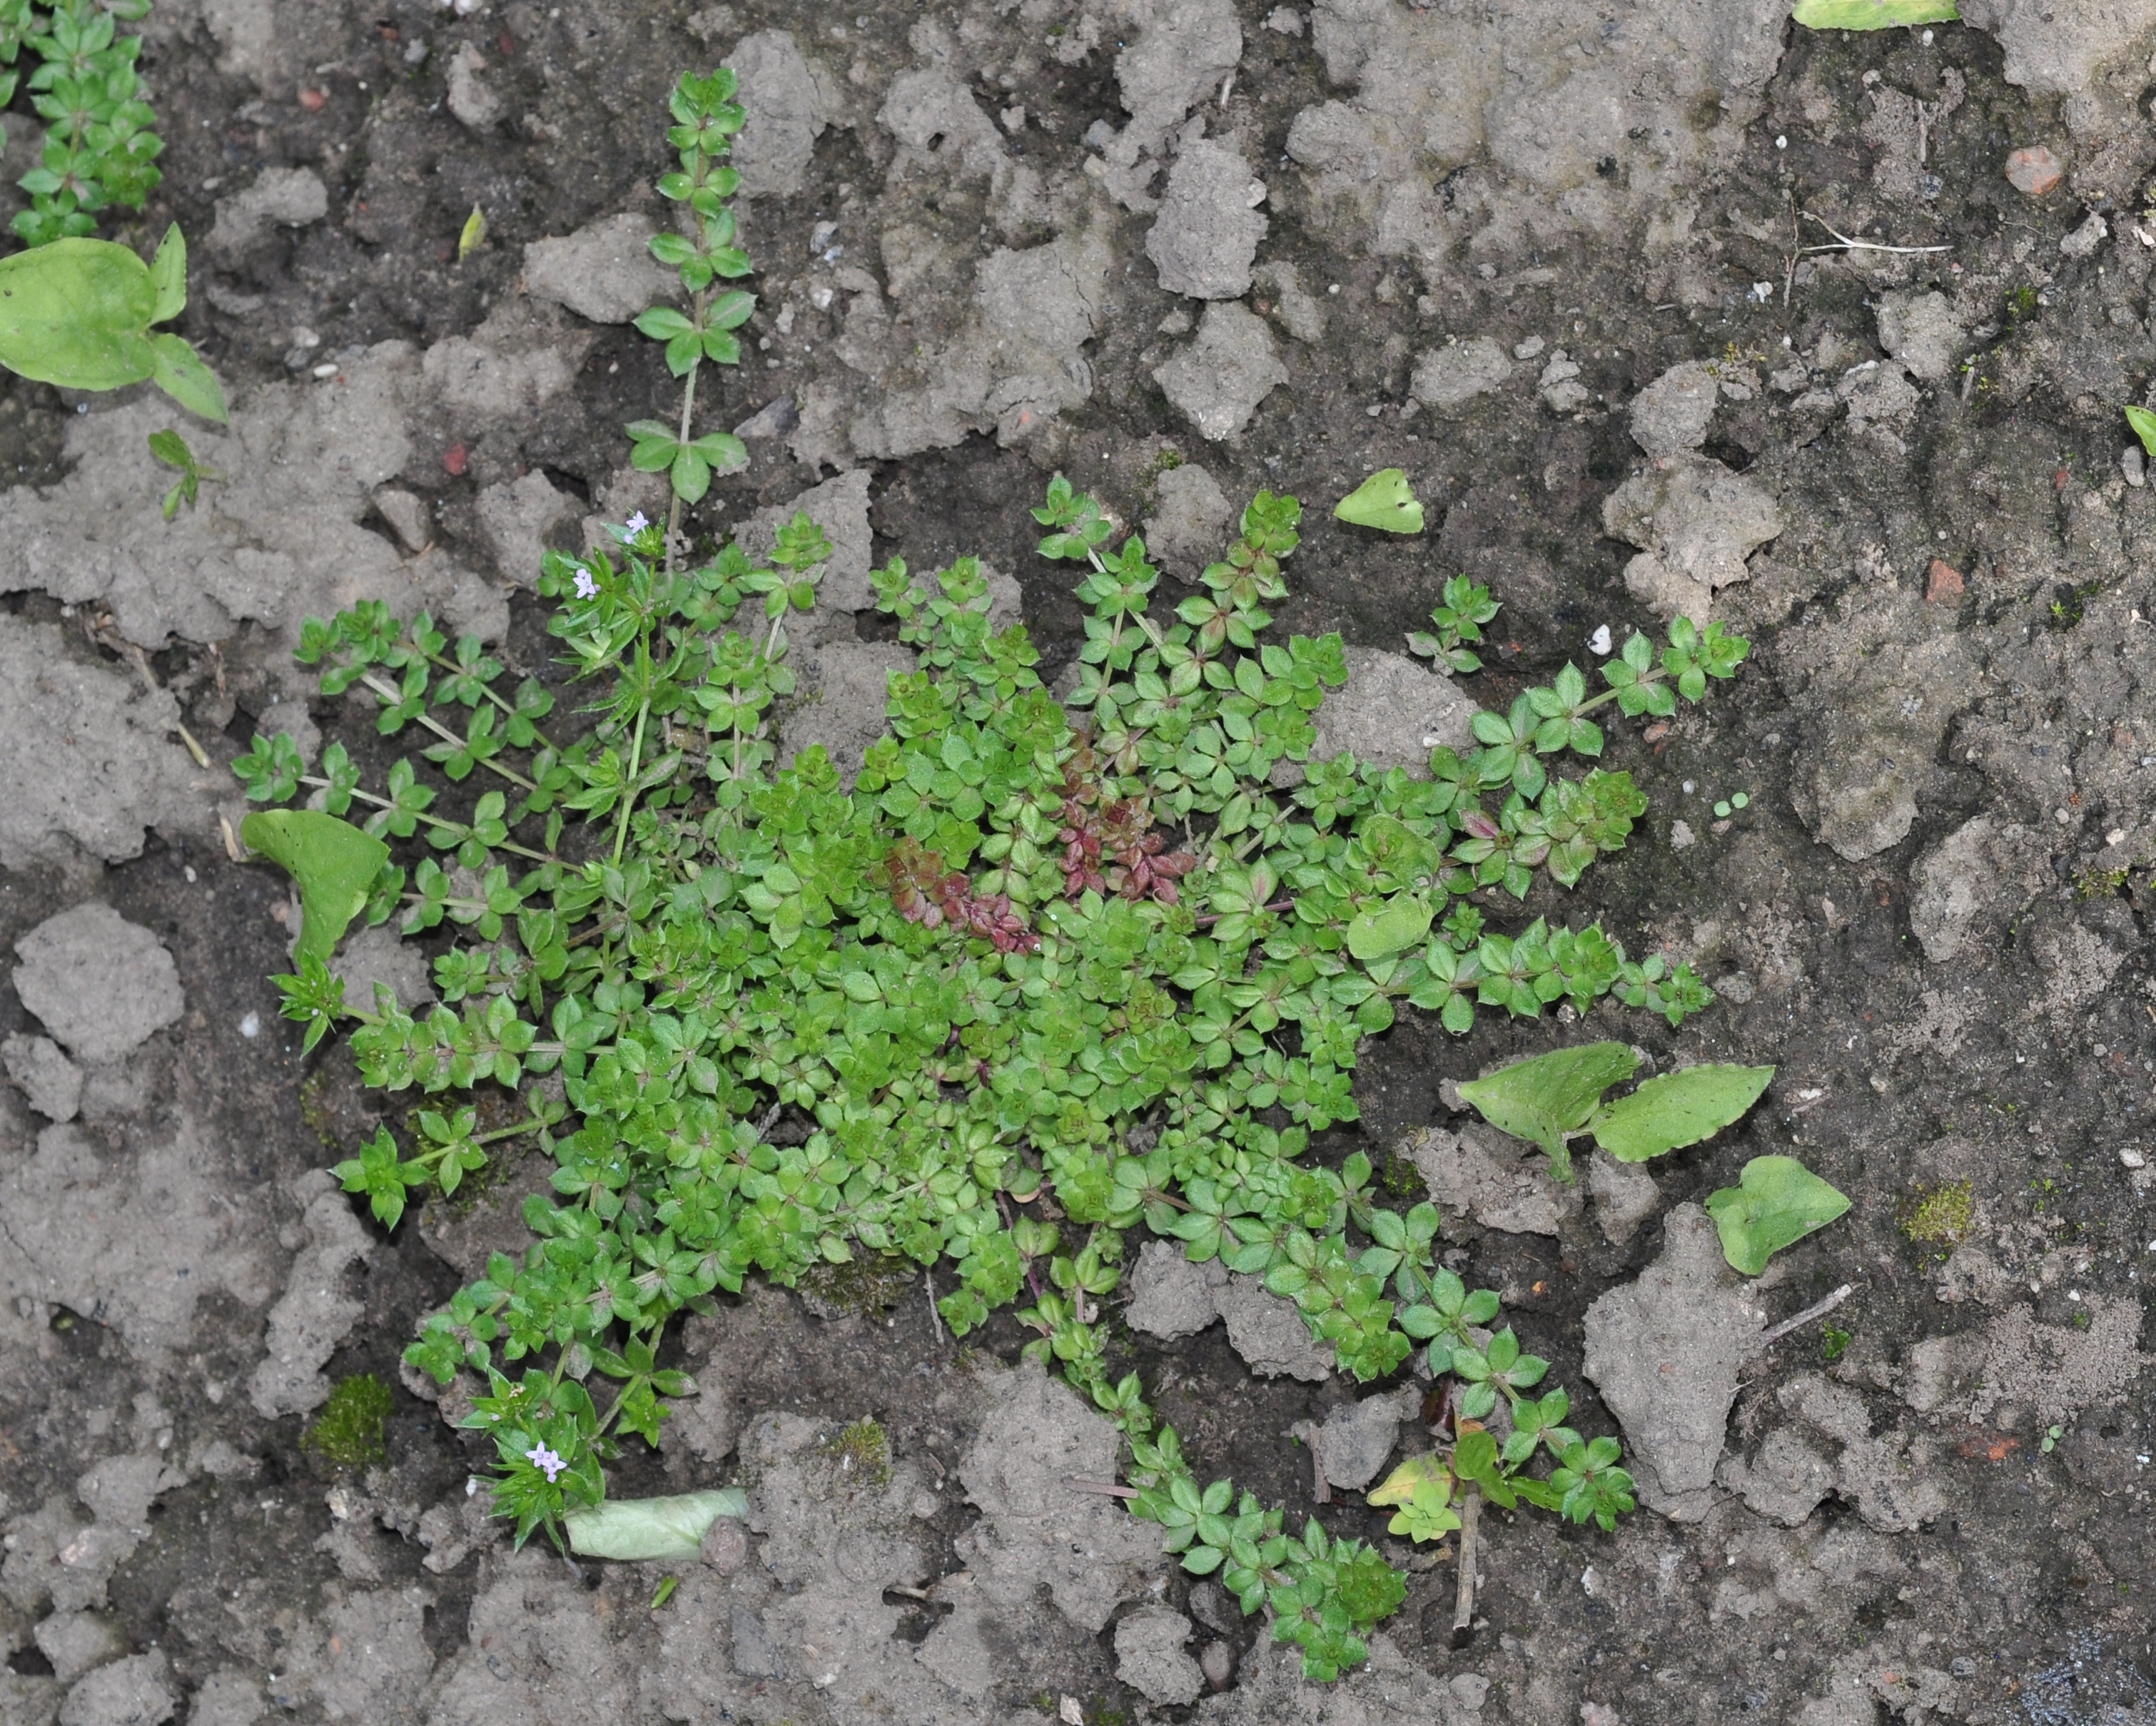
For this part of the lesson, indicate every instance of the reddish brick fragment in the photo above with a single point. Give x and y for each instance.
(454, 459)
(2035, 170)
(1942, 580)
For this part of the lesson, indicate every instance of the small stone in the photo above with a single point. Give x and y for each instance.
(2084, 240)
(725, 1545)
(51, 1081)
(1942, 580)
(1672, 413)
(1681, 837)
(1528, 349)
(2132, 1158)
(1286, 19)
(1218, 1663)
(2033, 171)
(1356, 1439)
(2134, 465)
(408, 516)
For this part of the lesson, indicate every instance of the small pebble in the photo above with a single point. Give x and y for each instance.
(1942, 580)
(725, 1545)
(2033, 171)
(2134, 465)
(251, 1026)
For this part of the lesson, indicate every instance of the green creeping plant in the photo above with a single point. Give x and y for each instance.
(100, 150)
(1046, 973)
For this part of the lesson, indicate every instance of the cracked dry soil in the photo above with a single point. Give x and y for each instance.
(1554, 261)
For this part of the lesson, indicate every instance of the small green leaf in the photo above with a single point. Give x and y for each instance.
(474, 235)
(1382, 501)
(1776, 1202)
(180, 373)
(333, 861)
(651, 1529)
(2144, 426)
(1873, 14)
(1677, 1109)
(1548, 1096)
(168, 276)
(1400, 923)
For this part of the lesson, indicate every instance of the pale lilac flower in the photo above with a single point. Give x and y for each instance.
(636, 524)
(539, 1457)
(587, 588)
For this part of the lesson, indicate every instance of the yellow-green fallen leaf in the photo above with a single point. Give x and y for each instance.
(2144, 426)
(1382, 501)
(1873, 14)
(474, 234)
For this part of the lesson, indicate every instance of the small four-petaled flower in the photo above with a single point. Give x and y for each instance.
(636, 524)
(587, 588)
(539, 1457)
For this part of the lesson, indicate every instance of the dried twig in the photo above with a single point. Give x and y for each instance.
(1843, 242)
(1817, 1309)
(1463, 1599)
(1106, 1488)
(935, 1318)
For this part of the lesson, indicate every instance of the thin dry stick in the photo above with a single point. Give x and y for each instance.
(935, 1318)
(1845, 243)
(1106, 1488)
(1463, 1599)
(1817, 1309)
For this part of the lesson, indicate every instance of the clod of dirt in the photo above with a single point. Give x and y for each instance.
(134, 1691)
(132, 1240)
(1672, 413)
(380, 954)
(1269, 1334)
(314, 1314)
(1189, 523)
(1208, 227)
(604, 271)
(1392, 1690)
(1171, 1297)
(846, 713)
(516, 517)
(1177, 55)
(1828, 1448)
(1625, 1197)
(2056, 1371)
(52, 1083)
(1150, 1659)
(1560, 386)
(407, 515)
(1357, 1437)
(1958, 899)
(1453, 375)
(1502, 1182)
(1391, 712)
(787, 113)
(1694, 522)
(1218, 380)
(291, 197)
(75, 1642)
(1035, 1527)
(1922, 331)
(1881, 402)
(1665, 1351)
(725, 1545)
(87, 764)
(102, 984)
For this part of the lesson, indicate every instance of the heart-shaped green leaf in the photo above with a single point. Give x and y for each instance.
(1777, 1201)
(1677, 1110)
(1382, 501)
(334, 863)
(1873, 14)
(1393, 927)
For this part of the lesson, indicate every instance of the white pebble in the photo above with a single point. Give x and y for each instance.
(251, 1026)
(1599, 644)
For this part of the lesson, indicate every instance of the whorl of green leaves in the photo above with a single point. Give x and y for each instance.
(706, 117)
(100, 149)
(729, 942)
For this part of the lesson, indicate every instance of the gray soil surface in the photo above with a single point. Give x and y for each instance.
(1582, 273)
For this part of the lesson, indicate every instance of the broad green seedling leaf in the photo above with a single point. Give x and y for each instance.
(1677, 1110)
(1382, 501)
(1873, 14)
(2144, 426)
(1548, 1096)
(654, 1530)
(77, 312)
(1776, 1202)
(334, 863)
(168, 276)
(1398, 924)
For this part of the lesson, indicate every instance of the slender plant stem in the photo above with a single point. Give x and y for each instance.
(392, 696)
